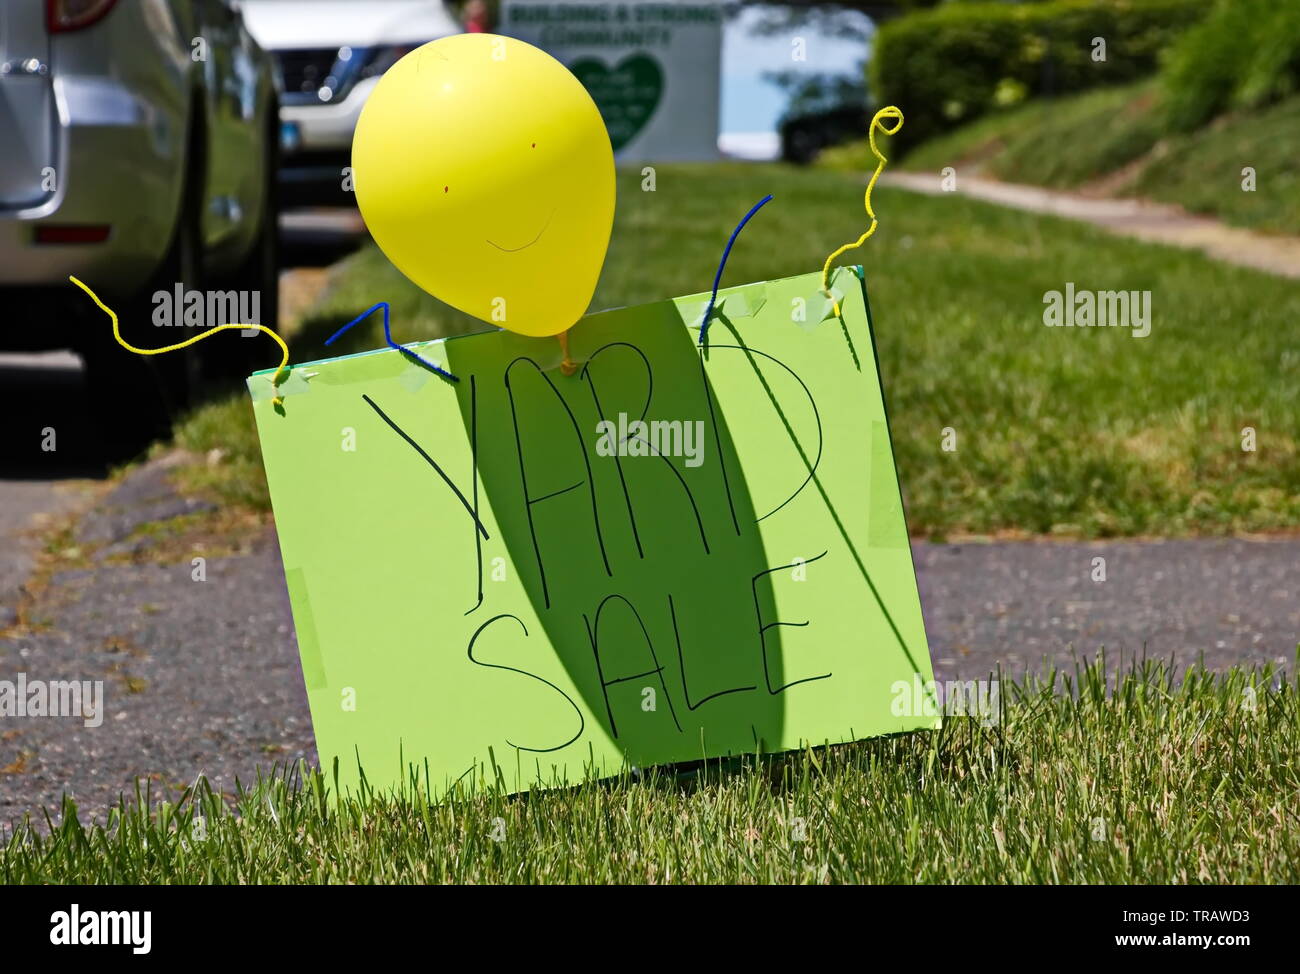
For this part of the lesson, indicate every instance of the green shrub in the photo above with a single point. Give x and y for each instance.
(1245, 54)
(952, 64)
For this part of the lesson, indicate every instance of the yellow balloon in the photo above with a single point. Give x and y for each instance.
(484, 172)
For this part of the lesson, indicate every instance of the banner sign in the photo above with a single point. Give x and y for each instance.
(653, 69)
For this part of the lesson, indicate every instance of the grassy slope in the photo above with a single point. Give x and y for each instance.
(1061, 142)
(1203, 172)
(1067, 142)
(1081, 431)
(1154, 784)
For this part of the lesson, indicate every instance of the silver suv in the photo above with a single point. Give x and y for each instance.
(138, 149)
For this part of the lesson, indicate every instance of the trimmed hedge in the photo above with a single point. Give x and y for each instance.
(946, 66)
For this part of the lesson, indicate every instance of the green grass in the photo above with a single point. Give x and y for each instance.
(1061, 142)
(1118, 136)
(1086, 432)
(1155, 782)
(1203, 171)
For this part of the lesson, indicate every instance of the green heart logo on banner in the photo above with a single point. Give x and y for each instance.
(627, 95)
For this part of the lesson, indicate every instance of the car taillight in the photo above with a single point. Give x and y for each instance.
(70, 234)
(61, 15)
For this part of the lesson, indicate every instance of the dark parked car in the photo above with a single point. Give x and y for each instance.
(824, 110)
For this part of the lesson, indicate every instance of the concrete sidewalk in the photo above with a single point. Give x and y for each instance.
(1152, 222)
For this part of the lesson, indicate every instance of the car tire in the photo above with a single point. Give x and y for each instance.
(137, 397)
(803, 146)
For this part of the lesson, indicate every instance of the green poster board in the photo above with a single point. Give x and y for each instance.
(732, 576)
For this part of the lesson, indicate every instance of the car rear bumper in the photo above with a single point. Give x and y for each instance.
(119, 168)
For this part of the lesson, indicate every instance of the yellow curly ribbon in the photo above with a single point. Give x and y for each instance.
(280, 374)
(877, 124)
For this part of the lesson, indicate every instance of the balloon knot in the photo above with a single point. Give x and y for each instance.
(567, 365)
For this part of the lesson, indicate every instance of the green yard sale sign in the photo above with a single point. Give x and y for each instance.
(525, 577)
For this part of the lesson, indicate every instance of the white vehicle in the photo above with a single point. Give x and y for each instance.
(330, 55)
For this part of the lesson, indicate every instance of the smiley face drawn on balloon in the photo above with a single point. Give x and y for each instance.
(484, 172)
(515, 250)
